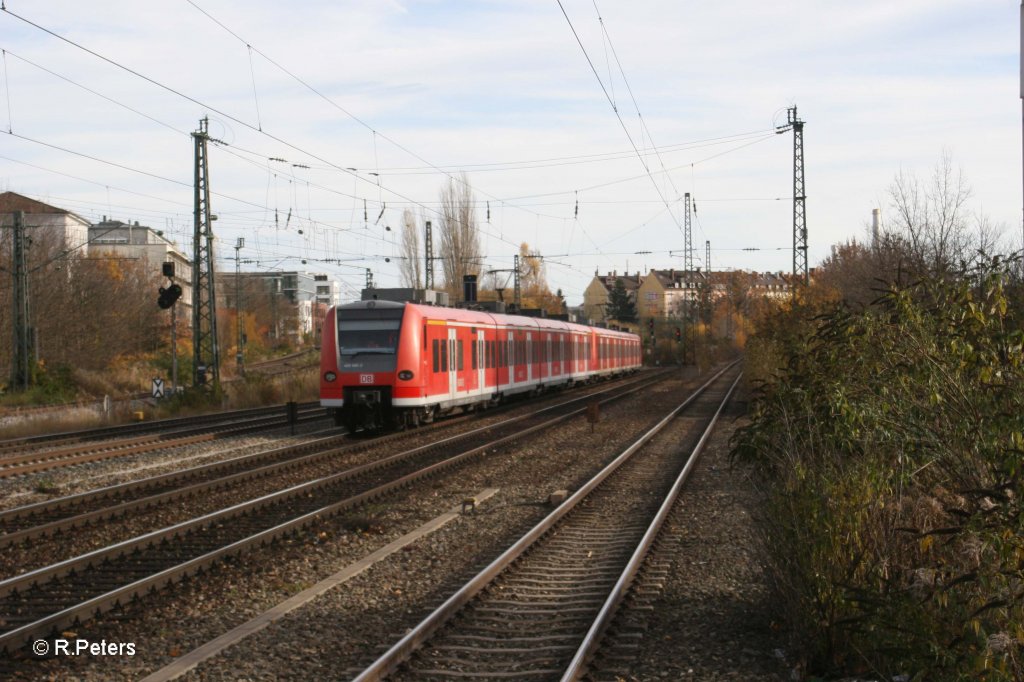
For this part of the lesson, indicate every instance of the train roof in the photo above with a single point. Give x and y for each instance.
(474, 316)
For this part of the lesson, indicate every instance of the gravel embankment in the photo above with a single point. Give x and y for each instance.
(711, 616)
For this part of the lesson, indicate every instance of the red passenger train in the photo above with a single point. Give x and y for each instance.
(385, 364)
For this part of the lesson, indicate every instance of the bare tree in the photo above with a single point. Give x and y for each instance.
(534, 283)
(932, 222)
(411, 266)
(459, 237)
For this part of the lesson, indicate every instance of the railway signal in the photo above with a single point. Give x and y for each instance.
(169, 296)
(679, 334)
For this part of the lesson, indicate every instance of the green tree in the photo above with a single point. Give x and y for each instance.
(620, 306)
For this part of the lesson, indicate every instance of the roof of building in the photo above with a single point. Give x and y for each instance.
(631, 282)
(671, 278)
(11, 202)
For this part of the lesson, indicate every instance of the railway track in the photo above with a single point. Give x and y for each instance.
(540, 610)
(89, 450)
(301, 360)
(160, 425)
(30, 522)
(44, 600)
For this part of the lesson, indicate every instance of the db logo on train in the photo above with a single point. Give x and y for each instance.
(366, 378)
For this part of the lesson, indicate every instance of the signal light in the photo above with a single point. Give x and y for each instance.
(168, 296)
(679, 334)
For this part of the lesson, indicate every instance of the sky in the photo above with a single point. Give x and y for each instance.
(580, 125)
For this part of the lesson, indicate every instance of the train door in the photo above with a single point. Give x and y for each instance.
(453, 371)
(481, 361)
(548, 356)
(511, 358)
(529, 356)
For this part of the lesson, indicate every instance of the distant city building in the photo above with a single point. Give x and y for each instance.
(664, 292)
(776, 285)
(595, 297)
(328, 291)
(68, 230)
(311, 294)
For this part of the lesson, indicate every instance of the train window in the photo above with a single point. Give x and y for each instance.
(425, 337)
(444, 356)
(368, 337)
(472, 349)
(437, 357)
(459, 353)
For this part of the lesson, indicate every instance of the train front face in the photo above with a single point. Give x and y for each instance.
(359, 380)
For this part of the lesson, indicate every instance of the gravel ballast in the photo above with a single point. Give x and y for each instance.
(341, 631)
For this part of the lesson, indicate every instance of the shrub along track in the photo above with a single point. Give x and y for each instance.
(41, 601)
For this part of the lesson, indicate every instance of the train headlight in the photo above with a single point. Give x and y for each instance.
(330, 376)
(405, 375)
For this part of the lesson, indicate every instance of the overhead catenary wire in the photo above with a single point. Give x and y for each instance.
(422, 204)
(618, 116)
(7, 87)
(426, 205)
(183, 95)
(236, 119)
(632, 97)
(452, 176)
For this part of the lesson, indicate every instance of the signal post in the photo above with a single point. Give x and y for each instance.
(168, 297)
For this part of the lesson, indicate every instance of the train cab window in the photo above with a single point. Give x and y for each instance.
(437, 356)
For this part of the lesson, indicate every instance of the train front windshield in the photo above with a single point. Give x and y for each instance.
(368, 344)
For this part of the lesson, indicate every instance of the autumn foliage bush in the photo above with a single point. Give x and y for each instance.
(888, 445)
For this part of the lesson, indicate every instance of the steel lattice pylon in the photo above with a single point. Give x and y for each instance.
(687, 237)
(801, 274)
(205, 353)
(687, 301)
(428, 254)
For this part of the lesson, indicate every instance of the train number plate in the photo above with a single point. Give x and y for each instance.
(366, 378)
